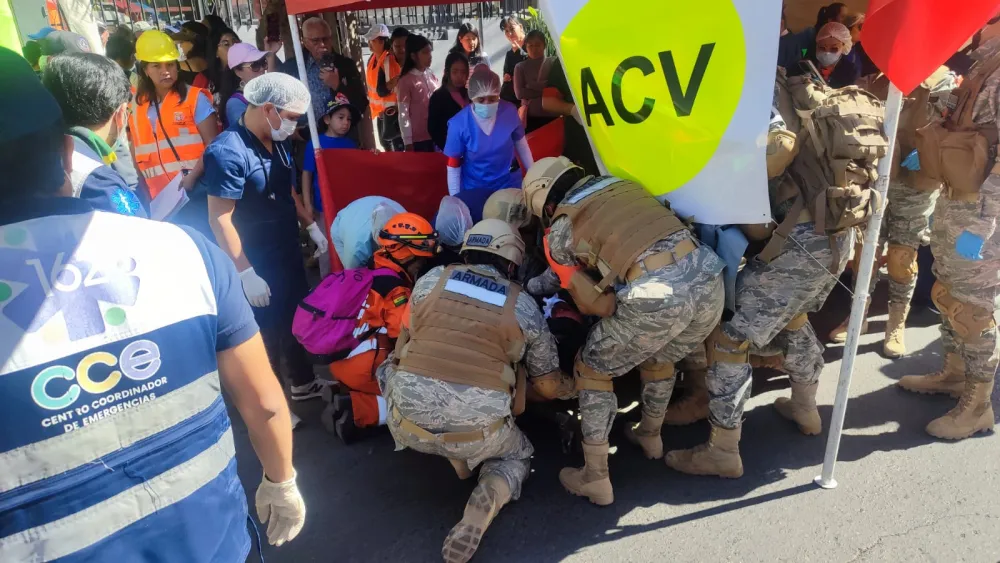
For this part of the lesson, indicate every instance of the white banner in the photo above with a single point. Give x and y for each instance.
(676, 95)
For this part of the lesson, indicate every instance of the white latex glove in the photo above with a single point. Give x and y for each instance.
(256, 289)
(282, 504)
(317, 236)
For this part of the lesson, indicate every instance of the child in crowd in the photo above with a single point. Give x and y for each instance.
(416, 84)
(340, 117)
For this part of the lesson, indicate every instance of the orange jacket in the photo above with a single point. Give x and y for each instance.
(154, 156)
(387, 63)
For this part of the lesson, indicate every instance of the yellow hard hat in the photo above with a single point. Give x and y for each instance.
(540, 178)
(155, 47)
(508, 206)
(495, 237)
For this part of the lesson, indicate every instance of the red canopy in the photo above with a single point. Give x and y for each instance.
(304, 6)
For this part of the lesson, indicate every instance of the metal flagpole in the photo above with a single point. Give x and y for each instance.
(324, 192)
(893, 105)
(300, 62)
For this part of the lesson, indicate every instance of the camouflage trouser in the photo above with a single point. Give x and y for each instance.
(696, 360)
(907, 222)
(974, 283)
(768, 297)
(506, 452)
(661, 316)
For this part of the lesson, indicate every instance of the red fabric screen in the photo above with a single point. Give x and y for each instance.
(417, 181)
(548, 140)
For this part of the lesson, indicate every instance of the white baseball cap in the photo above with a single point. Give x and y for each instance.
(377, 30)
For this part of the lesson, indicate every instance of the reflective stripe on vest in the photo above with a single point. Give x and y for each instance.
(154, 156)
(109, 374)
(387, 63)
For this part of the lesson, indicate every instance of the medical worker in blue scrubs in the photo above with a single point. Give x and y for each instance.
(482, 140)
(249, 175)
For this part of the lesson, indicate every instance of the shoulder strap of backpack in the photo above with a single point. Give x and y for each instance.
(777, 242)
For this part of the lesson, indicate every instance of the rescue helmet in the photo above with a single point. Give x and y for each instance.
(508, 206)
(155, 47)
(540, 178)
(497, 237)
(408, 235)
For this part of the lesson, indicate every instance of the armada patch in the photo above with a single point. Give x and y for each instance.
(482, 241)
(480, 288)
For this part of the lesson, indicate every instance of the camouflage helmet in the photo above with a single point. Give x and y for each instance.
(540, 178)
(508, 206)
(495, 237)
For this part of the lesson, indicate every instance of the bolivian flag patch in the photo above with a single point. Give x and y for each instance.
(400, 300)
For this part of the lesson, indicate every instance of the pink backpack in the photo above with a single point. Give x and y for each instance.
(326, 321)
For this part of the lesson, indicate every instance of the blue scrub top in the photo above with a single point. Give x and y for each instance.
(237, 166)
(486, 159)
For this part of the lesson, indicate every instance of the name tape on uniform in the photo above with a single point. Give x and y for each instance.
(480, 288)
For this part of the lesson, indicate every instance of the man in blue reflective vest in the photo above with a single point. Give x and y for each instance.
(116, 336)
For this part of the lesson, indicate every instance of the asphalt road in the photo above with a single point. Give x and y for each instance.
(902, 495)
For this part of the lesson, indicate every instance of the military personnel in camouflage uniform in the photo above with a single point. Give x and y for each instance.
(694, 406)
(508, 206)
(430, 415)
(908, 212)
(772, 302)
(662, 313)
(966, 247)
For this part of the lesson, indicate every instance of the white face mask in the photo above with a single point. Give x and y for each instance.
(285, 129)
(828, 59)
(119, 134)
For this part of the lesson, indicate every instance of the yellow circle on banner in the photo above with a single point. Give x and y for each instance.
(657, 82)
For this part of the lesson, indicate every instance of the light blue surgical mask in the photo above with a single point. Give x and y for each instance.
(485, 111)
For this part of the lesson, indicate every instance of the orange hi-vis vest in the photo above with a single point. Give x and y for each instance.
(387, 63)
(154, 157)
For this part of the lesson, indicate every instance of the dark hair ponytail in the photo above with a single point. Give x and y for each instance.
(414, 44)
(828, 14)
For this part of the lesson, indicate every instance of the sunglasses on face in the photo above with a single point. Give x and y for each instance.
(256, 66)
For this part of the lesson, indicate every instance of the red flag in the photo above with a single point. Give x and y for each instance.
(909, 39)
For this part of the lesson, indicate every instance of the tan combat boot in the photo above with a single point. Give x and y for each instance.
(591, 480)
(950, 380)
(646, 434)
(486, 500)
(694, 406)
(801, 408)
(719, 456)
(839, 334)
(974, 413)
(894, 345)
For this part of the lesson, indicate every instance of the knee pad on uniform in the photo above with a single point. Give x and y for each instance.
(718, 338)
(902, 264)
(651, 370)
(797, 322)
(588, 379)
(967, 320)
